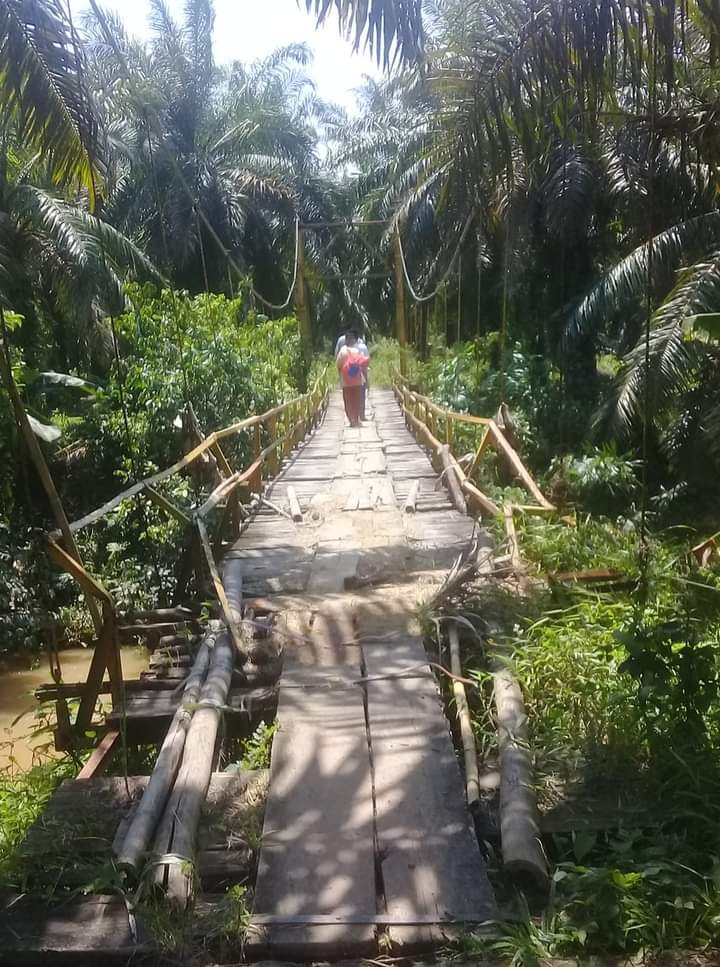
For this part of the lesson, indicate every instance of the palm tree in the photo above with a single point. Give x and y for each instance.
(216, 165)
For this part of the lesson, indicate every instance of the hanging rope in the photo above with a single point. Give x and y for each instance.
(479, 290)
(446, 275)
(459, 296)
(278, 307)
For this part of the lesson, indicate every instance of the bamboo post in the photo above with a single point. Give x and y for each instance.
(479, 453)
(400, 311)
(43, 472)
(449, 429)
(452, 480)
(472, 777)
(256, 482)
(105, 655)
(515, 556)
(273, 458)
(141, 829)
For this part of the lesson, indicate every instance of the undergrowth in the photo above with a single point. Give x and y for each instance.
(621, 691)
(23, 796)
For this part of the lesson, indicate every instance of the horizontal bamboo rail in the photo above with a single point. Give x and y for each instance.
(309, 404)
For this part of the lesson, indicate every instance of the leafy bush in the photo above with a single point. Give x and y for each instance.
(473, 378)
(602, 481)
(230, 362)
(174, 348)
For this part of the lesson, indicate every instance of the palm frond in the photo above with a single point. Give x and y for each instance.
(42, 87)
(627, 280)
(392, 29)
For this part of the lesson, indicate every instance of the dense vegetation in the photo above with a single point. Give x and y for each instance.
(551, 172)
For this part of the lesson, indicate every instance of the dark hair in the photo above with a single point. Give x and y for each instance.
(351, 334)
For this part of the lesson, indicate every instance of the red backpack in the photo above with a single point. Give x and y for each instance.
(352, 367)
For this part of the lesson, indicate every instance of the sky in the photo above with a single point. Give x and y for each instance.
(248, 29)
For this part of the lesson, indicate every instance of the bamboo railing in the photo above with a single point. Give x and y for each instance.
(286, 426)
(428, 420)
(519, 829)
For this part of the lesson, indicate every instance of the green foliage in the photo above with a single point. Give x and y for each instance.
(24, 569)
(206, 349)
(256, 749)
(42, 88)
(621, 691)
(22, 798)
(474, 377)
(385, 362)
(602, 481)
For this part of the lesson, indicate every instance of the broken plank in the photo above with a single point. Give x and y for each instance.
(101, 756)
(411, 500)
(294, 505)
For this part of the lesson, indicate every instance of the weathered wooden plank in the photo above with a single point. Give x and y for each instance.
(81, 930)
(100, 757)
(317, 853)
(294, 505)
(431, 864)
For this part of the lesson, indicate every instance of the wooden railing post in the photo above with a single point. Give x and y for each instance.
(273, 462)
(257, 478)
(105, 655)
(37, 457)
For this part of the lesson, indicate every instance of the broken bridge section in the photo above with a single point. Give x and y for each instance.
(366, 835)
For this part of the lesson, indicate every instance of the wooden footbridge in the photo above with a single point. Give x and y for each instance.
(358, 839)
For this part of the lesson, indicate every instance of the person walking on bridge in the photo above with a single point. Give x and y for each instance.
(352, 364)
(362, 348)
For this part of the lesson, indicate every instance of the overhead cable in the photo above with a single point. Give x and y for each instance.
(446, 274)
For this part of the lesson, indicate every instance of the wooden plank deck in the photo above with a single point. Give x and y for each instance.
(366, 837)
(366, 828)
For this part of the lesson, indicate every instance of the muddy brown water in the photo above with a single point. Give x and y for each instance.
(20, 713)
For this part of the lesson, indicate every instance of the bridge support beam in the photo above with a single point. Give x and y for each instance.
(400, 309)
(303, 310)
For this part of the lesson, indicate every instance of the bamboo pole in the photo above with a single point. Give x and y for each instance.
(519, 822)
(38, 459)
(502, 443)
(452, 480)
(141, 829)
(227, 611)
(177, 836)
(472, 777)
